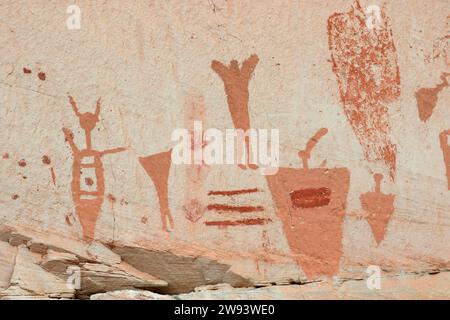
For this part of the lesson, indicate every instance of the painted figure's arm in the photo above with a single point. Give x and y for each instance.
(306, 154)
(69, 138)
(221, 70)
(74, 106)
(98, 105)
(115, 150)
(443, 136)
(249, 65)
(444, 76)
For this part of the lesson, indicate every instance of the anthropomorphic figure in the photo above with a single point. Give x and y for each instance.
(236, 82)
(88, 181)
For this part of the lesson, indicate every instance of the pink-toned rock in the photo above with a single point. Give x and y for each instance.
(33, 279)
(91, 182)
(130, 295)
(7, 261)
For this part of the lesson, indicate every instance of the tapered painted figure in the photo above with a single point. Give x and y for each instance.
(445, 146)
(379, 207)
(311, 204)
(88, 181)
(157, 167)
(236, 80)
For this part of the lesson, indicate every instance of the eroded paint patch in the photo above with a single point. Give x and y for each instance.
(231, 192)
(229, 208)
(234, 223)
(194, 206)
(365, 63)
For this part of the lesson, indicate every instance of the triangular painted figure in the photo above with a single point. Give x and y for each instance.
(379, 207)
(157, 167)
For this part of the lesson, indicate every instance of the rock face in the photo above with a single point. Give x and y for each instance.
(130, 295)
(56, 273)
(125, 172)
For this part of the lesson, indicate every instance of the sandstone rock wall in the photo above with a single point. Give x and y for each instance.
(358, 91)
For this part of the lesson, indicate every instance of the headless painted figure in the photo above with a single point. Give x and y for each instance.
(236, 80)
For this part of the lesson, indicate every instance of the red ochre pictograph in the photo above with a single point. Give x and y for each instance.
(365, 63)
(194, 206)
(379, 207)
(157, 166)
(445, 146)
(88, 181)
(427, 98)
(236, 80)
(311, 205)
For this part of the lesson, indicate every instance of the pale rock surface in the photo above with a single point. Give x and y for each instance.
(130, 295)
(408, 286)
(44, 275)
(31, 278)
(7, 261)
(151, 64)
(58, 262)
(101, 278)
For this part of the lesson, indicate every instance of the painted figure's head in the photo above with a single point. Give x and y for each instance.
(88, 120)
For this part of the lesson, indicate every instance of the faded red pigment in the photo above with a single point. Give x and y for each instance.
(46, 160)
(194, 206)
(232, 192)
(243, 222)
(365, 63)
(228, 208)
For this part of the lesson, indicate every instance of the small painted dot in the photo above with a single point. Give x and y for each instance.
(41, 76)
